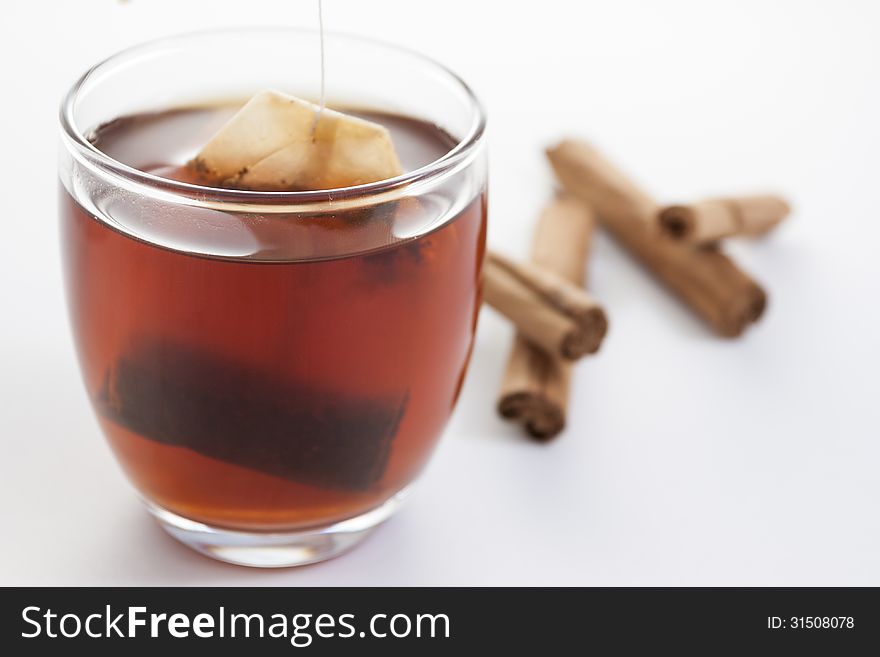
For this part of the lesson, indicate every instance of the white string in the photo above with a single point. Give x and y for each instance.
(323, 99)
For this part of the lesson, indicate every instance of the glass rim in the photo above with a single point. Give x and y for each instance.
(77, 141)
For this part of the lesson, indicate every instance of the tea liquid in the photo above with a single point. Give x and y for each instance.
(269, 371)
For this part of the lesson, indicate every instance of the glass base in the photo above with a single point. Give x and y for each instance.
(278, 549)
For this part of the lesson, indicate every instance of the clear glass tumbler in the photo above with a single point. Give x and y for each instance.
(271, 369)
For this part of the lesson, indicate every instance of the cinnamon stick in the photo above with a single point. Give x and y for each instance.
(535, 388)
(702, 276)
(550, 311)
(714, 219)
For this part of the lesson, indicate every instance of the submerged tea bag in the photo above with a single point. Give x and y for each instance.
(194, 399)
(278, 142)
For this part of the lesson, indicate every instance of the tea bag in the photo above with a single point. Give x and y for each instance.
(279, 142)
(190, 398)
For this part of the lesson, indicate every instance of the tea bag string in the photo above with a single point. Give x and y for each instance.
(323, 98)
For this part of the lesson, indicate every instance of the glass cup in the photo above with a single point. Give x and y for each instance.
(271, 369)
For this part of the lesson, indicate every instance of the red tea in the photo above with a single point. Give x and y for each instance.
(270, 370)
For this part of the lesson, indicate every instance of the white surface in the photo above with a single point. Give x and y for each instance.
(689, 459)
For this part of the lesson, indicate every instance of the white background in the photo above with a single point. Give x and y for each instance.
(689, 459)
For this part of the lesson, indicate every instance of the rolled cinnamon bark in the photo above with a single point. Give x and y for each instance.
(714, 219)
(548, 310)
(702, 276)
(535, 388)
